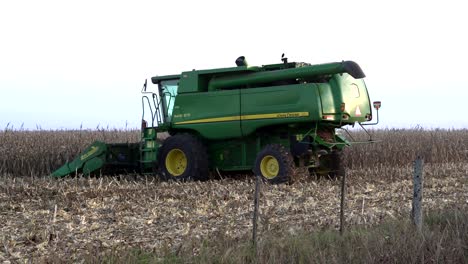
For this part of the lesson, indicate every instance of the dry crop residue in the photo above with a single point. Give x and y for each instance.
(43, 218)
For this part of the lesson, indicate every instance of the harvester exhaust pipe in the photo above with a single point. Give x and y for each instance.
(241, 61)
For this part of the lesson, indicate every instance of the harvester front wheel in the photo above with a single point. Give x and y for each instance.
(274, 163)
(183, 157)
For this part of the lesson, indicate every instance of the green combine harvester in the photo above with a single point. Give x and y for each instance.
(275, 120)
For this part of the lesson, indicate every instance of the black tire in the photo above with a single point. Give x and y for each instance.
(275, 164)
(183, 157)
(337, 164)
(331, 165)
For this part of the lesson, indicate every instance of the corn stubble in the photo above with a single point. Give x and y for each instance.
(45, 219)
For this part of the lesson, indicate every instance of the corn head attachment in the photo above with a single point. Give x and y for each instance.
(101, 156)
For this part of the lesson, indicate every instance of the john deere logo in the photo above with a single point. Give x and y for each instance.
(285, 115)
(93, 150)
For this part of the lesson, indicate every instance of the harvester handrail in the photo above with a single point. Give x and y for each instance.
(157, 100)
(151, 109)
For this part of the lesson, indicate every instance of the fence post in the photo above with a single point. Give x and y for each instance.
(342, 203)
(416, 211)
(255, 214)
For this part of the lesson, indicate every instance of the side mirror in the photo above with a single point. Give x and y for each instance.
(377, 105)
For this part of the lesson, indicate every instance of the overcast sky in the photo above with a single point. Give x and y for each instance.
(66, 64)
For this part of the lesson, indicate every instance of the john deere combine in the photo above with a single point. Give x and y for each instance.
(271, 119)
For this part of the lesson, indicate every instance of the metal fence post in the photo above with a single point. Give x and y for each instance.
(416, 211)
(255, 214)
(342, 203)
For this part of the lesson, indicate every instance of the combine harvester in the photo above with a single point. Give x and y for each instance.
(271, 119)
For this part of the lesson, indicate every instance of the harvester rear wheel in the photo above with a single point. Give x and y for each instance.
(183, 157)
(275, 164)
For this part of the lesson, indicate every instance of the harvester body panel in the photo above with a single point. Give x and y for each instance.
(344, 89)
(214, 115)
(278, 105)
(231, 113)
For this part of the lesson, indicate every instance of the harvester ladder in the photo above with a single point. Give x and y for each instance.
(148, 150)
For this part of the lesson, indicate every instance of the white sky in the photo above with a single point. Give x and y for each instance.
(69, 63)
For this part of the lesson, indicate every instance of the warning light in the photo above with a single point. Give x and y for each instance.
(144, 124)
(377, 105)
(358, 111)
(328, 117)
(342, 107)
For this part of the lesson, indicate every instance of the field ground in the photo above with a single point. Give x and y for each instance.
(97, 218)
(45, 219)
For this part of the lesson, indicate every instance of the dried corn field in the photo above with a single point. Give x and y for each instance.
(28, 153)
(43, 219)
(35, 153)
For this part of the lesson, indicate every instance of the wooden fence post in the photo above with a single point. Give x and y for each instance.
(416, 211)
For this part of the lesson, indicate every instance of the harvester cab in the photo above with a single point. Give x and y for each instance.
(158, 104)
(271, 119)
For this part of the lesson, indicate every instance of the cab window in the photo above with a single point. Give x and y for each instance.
(168, 90)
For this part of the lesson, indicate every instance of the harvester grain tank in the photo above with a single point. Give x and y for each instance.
(270, 119)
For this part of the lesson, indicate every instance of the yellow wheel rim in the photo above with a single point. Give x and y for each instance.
(269, 167)
(176, 162)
